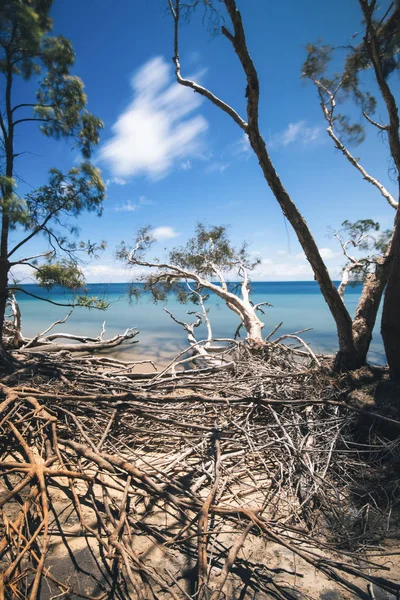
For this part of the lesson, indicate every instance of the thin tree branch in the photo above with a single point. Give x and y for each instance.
(328, 114)
(192, 84)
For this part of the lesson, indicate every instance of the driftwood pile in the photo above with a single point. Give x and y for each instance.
(251, 480)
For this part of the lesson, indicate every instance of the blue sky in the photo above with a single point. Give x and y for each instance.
(172, 159)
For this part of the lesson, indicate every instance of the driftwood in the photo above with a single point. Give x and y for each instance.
(48, 342)
(187, 484)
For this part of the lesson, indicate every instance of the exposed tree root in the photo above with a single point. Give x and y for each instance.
(185, 484)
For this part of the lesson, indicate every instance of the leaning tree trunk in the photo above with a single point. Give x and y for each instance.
(368, 306)
(347, 356)
(390, 327)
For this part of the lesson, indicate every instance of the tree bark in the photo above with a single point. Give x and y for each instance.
(367, 308)
(7, 191)
(90, 346)
(347, 357)
(390, 326)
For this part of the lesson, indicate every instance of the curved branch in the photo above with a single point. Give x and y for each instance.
(192, 84)
(86, 346)
(375, 123)
(328, 114)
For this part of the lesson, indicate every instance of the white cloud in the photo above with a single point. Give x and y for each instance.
(242, 148)
(327, 253)
(106, 273)
(297, 133)
(185, 165)
(216, 167)
(164, 233)
(115, 181)
(126, 207)
(288, 270)
(156, 129)
(133, 207)
(23, 273)
(294, 267)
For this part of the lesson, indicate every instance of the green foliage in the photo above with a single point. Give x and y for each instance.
(359, 228)
(81, 189)
(318, 57)
(387, 33)
(208, 254)
(65, 273)
(134, 292)
(91, 302)
(335, 89)
(353, 133)
(160, 287)
(365, 235)
(27, 49)
(23, 24)
(357, 62)
(208, 249)
(68, 275)
(144, 240)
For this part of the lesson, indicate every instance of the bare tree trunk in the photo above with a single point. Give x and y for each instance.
(6, 191)
(390, 327)
(4, 269)
(3, 289)
(15, 338)
(367, 308)
(347, 357)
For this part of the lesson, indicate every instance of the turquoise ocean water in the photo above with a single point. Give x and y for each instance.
(298, 304)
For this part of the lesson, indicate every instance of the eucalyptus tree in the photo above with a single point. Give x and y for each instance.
(372, 272)
(378, 51)
(378, 54)
(28, 52)
(204, 262)
(231, 26)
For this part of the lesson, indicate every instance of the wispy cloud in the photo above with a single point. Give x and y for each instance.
(185, 165)
(158, 128)
(108, 272)
(295, 133)
(164, 233)
(278, 270)
(130, 206)
(326, 254)
(217, 167)
(241, 148)
(283, 266)
(115, 181)
(126, 207)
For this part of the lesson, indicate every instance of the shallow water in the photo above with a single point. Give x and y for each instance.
(298, 304)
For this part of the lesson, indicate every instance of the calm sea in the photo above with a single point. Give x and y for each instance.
(298, 304)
